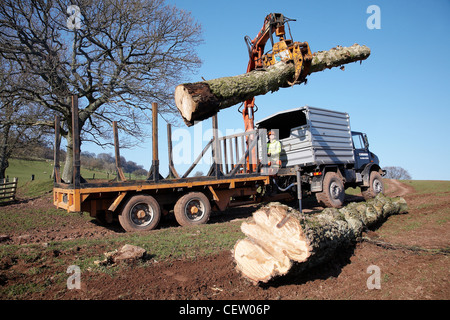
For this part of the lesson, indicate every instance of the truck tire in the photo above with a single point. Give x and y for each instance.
(140, 213)
(376, 186)
(333, 193)
(192, 209)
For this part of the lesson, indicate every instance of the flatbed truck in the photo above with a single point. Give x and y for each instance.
(318, 157)
(139, 204)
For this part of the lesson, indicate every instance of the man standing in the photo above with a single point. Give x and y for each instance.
(273, 151)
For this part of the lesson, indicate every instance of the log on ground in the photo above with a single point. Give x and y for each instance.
(279, 240)
(201, 100)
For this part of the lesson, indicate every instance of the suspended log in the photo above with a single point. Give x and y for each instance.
(201, 100)
(281, 240)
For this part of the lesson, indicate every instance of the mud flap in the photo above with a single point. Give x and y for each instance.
(317, 184)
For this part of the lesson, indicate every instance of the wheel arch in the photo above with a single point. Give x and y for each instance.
(328, 197)
(367, 170)
(317, 181)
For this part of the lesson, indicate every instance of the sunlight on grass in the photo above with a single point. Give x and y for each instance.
(429, 186)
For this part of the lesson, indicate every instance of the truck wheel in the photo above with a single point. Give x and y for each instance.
(192, 209)
(376, 186)
(140, 213)
(333, 191)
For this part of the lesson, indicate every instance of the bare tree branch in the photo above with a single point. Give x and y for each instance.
(127, 54)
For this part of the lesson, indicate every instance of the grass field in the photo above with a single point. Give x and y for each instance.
(42, 171)
(428, 186)
(24, 169)
(59, 237)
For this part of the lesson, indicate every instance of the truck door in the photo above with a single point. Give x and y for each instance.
(360, 149)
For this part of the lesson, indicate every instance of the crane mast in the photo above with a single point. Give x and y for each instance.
(284, 50)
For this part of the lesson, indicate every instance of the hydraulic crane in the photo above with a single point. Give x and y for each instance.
(284, 50)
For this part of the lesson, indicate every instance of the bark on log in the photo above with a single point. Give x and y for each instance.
(281, 240)
(201, 100)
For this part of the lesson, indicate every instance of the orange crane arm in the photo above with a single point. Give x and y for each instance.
(284, 50)
(272, 22)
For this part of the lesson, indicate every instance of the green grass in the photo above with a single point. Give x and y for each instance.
(353, 191)
(161, 245)
(29, 218)
(429, 215)
(421, 186)
(37, 188)
(429, 186)
(42, 171)
(169, 243)
(23, 169)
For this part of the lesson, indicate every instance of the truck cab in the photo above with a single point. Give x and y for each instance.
(363, 156)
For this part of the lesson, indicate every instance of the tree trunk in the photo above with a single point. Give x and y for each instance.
(67, 174)
(4, 152)
(201, 100)
(281, 240)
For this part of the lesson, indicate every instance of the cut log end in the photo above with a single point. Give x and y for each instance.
(256, 264)
(270, 248)
(278, 238)
(184, 101)
(195, 101)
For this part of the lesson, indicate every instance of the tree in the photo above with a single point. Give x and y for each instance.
(14, 137)
(125, 55)
(198, 174)
(19, 120)
(397, 173)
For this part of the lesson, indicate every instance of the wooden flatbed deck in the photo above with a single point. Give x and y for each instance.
(93, 197)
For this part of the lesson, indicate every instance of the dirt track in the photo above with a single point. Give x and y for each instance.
(405, 273)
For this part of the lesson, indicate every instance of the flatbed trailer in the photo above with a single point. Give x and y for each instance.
(236, 177)
(139, 204)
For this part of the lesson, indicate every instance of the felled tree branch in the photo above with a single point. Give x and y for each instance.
(201, 100)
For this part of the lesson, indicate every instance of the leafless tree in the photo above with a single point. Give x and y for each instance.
(397, 173)
(124, 55)
(198, 174)
(14, 135)
(19, 120)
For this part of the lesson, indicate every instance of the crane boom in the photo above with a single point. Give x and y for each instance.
(283, 50)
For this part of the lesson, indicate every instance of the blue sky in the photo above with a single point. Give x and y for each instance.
(399, 96)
